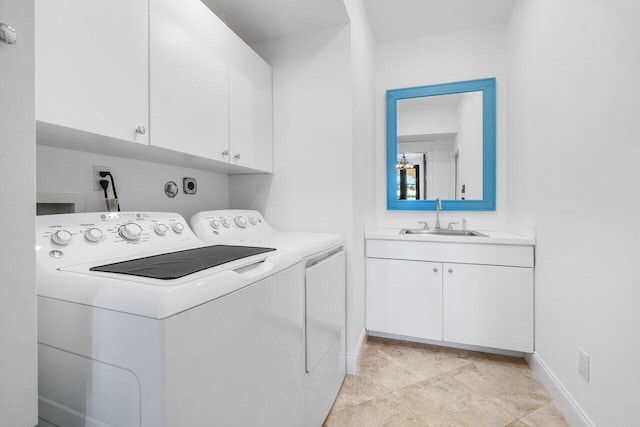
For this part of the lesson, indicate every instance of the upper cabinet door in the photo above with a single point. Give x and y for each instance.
(92, 66)
(188, 79)
(250, 108)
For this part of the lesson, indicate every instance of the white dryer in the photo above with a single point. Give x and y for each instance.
(324, 296)
(141, 324)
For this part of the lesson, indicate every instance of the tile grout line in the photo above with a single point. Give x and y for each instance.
(411, 411)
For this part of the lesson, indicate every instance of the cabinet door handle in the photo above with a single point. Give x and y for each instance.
(225, 153)
(140, 130)
(451, 270)
(237, 156)
(435, 269)
(7, 34)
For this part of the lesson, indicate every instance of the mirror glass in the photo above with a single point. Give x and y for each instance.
(441, 144)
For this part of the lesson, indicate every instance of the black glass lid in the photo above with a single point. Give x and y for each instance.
(182, 263)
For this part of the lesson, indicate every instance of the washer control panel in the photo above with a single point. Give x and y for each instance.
(85, 237)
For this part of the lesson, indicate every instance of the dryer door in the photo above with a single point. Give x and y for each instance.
(325, 311)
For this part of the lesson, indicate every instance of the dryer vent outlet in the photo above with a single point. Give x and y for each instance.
(189, 185)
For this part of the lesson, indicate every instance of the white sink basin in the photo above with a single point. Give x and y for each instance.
(441, 232)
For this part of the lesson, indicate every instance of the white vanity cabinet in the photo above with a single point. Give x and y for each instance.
(404, 297)
(489, 306)
(92, 66)
(478, 294)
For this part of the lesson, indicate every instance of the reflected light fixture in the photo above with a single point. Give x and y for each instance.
(403, 163)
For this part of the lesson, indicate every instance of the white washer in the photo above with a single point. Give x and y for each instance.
(141, 324)
(324, 296)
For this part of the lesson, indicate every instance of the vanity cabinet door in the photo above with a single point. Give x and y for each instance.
(404, 298)
(189, 79)
(488, 306)
(92, 70)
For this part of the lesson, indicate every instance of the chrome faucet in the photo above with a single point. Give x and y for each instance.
(438, 207)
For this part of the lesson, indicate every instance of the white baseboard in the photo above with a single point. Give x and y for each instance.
(353, 359)
(448, 344)
(572, 412)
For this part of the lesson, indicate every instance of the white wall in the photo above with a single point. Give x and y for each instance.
(323, 154)
(140, 184)
(462, 55)
(311, 187)
(470, 144)
(311, 184)
(412, 121)
(574, 150)
(363, 170)
(440, 183)
(18, 351)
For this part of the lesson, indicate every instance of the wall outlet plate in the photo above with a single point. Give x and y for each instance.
(189, 185)
(583, 364)
(96, 176)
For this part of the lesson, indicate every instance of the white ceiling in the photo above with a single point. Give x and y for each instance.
(256, 20)
(405, 19)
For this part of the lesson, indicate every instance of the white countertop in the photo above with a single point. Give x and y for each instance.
(493, 237)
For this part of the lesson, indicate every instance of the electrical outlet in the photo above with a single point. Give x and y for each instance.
(97, 177)
(189, 185)
(583, 364)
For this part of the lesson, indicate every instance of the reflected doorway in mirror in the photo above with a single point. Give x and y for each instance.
(411, 176)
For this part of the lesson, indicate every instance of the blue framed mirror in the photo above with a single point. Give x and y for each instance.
(441, 144)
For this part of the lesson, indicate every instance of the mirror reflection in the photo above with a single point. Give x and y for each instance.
(439, 147)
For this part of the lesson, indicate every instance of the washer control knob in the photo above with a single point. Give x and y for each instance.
(61, 237)
(215, 223)
(130, 231)
(93, 234)
(253, 220)
(178, 227)
(240, 221)
(160, 229)
(226, 222)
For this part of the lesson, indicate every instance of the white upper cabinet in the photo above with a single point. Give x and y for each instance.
(188, 79)
(250, 108)
(92, 66)
(210, 92)
(164, 73)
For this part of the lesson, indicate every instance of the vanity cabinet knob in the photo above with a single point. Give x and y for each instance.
(451, 270)
(237, 156)
(435, 269)
(140, 130)
(225, 153)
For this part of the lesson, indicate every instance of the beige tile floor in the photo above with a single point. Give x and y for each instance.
(408, 384)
